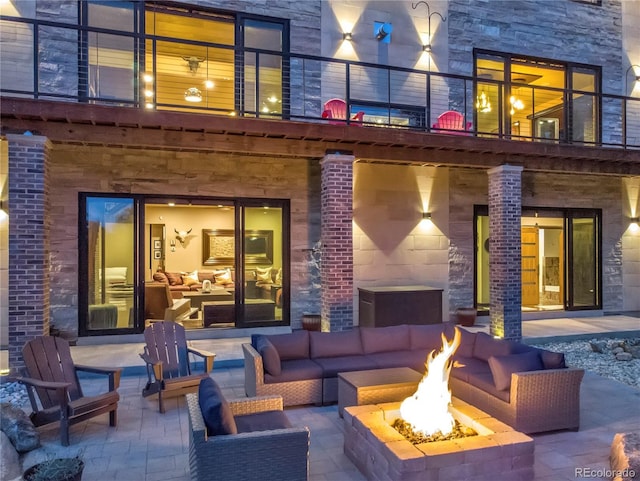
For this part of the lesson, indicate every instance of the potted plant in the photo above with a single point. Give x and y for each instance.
(466, 316)
(56, 469)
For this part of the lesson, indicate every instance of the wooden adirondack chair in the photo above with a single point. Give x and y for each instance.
(167, 358)
(452, 122)
(336, 109)
(54, 390)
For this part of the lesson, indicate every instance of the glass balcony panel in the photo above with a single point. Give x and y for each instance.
(58, 80)
(111, 67)
(17, 51)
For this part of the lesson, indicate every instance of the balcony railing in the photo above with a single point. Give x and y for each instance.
(65, 62)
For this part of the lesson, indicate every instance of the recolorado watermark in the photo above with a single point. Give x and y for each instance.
(604, 473)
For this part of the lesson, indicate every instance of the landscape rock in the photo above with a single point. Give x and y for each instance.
(9, 459)
(617, 350)
(18, 427)
(598, 346)
(625, 456)
(624, 356)
(634, 351)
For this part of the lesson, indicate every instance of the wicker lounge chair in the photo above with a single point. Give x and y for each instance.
(279, 454)
(167, 358)
(53, 381)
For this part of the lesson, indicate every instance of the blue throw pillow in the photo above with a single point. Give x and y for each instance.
(215, 409)
(270, 356)
(503, 366)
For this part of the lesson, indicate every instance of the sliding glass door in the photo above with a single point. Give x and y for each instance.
(583, 240)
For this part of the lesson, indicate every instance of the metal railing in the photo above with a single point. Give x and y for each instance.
(65, 62)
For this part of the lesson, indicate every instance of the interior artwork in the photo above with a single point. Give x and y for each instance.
(218, 247)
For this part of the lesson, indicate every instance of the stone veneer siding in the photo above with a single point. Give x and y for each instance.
(154, 172)
(28, 242)
(336, 268)
(505, 268)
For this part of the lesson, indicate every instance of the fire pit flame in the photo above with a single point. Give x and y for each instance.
(427, 410)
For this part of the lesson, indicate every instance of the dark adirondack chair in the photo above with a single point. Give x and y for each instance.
(167, 358)
(54, 390)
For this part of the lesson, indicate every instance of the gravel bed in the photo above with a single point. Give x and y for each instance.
(580, 354)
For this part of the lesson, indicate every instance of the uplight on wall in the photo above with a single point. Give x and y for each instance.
(635, 220)
(426, 47)
(426, 215)
(347, 36)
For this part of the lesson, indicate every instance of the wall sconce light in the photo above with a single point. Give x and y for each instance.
(382, 31)
(626, 77)
(427, 47)
(347, 36)
(635, 220)
(426, 215)
(3, 206)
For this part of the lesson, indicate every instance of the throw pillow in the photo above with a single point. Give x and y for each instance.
(190, 279)
(279, 276)
(160, 276)
(175, 278)
(502, 367)
(263, 274)
(215, 409)
(270, 356)
(223, 276)
(486, 346)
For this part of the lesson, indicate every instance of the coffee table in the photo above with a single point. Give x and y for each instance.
(375, 386)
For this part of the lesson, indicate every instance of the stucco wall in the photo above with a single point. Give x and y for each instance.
(83, 169)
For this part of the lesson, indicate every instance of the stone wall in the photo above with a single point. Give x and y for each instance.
(392, 244)
(94, 169)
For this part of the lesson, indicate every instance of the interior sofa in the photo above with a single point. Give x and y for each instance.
(530, 389)
(192, 281)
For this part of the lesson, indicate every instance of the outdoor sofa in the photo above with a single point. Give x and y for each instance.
(530, 389)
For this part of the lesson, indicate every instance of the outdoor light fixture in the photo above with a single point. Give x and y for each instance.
(427, 47)
(626, 77)
(426, 215)
(193, 95)
(635, 220)
(347, 36)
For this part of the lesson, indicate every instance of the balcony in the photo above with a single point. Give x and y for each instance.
(90, 66)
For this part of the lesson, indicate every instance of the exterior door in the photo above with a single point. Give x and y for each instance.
(583, 260)
(108, 233)
(530, 283)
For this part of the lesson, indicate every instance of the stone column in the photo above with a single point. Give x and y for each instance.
(28, 242)
(336, 269)
(505, 269)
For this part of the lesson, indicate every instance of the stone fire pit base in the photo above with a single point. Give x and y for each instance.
(382, 454)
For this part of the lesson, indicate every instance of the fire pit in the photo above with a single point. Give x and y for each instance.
(380, 452)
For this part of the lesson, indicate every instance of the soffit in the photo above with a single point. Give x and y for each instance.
(85, 124)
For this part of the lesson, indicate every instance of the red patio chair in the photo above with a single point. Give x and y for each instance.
(336, 109)
(452, 122)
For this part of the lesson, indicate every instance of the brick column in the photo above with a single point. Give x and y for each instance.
(28, 242)
(505, 269)
(336, 268)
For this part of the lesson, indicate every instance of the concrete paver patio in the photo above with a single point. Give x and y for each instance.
(149, 446)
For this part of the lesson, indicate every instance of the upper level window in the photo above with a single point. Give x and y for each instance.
(529, 98)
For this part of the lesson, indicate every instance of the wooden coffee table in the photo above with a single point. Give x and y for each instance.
(376, 386)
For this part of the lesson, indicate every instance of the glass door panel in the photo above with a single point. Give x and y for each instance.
(263, 265)
(110, 235)
(583, 261)
(584, 107)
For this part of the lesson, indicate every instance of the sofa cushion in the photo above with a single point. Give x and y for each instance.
(205, 275)
(334, 344)
(426, 336)
(486, 346)
(175, 278)
(385, 339)
(215, 409)
(331, 366)
(551, 360)
(484, 381)
(467, 341)
(160, 276)
(295, 370)
(503, 366)
(270, 356)
(291, 346)
(413, 358)
(262, 421)
(463, 367)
